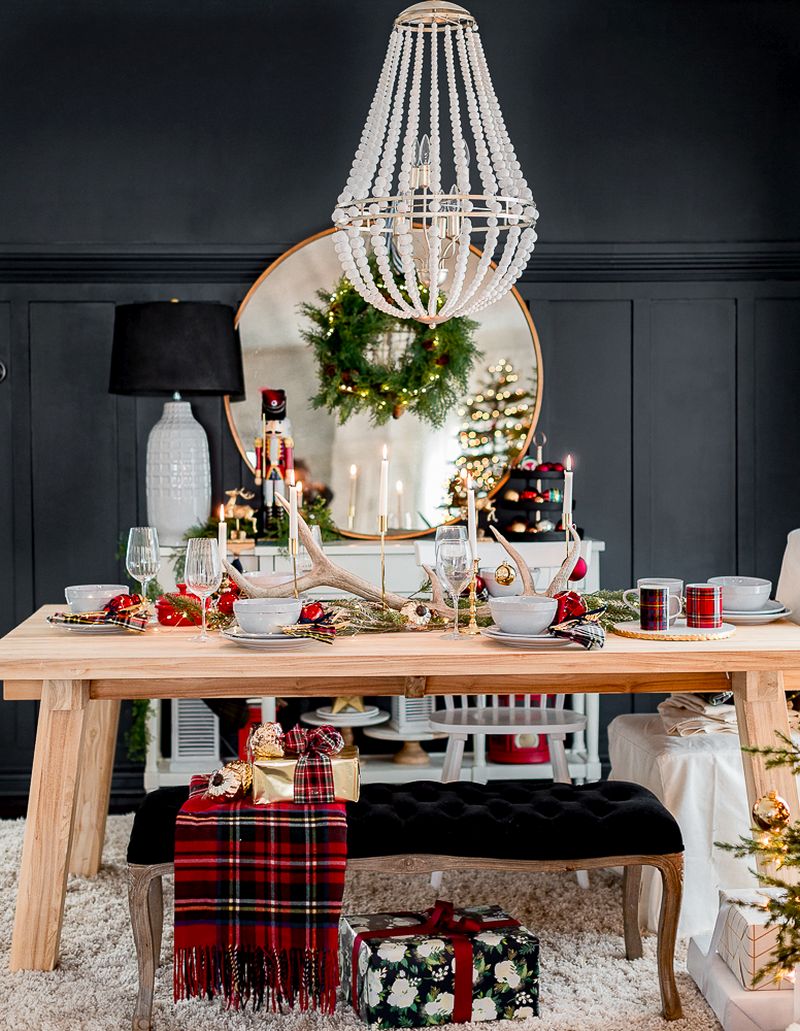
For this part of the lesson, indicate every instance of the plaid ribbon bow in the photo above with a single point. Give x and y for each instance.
(313, 775)
(585, 630)
(126, 610)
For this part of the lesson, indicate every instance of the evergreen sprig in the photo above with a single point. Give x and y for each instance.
(428, 378)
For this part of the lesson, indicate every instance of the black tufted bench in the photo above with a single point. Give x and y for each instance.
(517, 826)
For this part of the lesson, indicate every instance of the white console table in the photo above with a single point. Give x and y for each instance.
(195, 730)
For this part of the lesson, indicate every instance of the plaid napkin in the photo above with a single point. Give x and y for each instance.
(314, 631)
(126, 610)
(585, 630)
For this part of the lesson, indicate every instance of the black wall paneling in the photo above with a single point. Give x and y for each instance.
(156, 155)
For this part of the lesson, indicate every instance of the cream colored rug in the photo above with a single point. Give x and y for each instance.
(586, 982)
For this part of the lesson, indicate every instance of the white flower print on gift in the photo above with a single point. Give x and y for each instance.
(506, 973)
(403, 993)
(484, 1009)
(392, 951)
(442, 1006)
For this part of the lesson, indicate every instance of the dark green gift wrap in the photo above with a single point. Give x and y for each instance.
(443, 966)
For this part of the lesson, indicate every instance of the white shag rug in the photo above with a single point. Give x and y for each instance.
(586, 982)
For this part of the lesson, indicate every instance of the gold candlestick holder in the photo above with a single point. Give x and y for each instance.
(472, 626)
(293, 549)
(383, 526)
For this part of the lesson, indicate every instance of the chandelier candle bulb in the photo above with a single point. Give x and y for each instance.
(222, 534)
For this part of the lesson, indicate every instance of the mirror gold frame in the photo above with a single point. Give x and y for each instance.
(410, 534)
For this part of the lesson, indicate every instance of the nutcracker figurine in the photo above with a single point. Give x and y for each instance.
(274, 457)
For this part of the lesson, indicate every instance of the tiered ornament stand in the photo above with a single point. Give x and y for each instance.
(528, 511)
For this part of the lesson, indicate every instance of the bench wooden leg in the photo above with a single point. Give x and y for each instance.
(671, 869)
(144, 893)
(631, 884)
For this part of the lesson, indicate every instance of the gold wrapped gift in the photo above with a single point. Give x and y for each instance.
(273, 779)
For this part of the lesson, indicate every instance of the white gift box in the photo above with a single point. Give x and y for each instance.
(745, 943)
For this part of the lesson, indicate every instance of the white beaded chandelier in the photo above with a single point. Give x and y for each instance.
(417, 229)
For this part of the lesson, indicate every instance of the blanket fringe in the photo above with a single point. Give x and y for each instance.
(276, 979)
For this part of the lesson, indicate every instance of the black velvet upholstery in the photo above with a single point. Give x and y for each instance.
(501, 820)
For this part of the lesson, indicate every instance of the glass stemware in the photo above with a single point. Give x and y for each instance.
(453, 566)
(203, 574)
(142, 559)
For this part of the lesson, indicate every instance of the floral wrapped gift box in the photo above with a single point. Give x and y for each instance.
(457, 971)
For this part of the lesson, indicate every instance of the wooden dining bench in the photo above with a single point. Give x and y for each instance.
(425, 826)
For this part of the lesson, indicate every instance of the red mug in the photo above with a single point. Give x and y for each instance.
(703, 606)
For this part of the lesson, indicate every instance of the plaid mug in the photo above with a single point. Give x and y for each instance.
(657, 606)
(703, 606)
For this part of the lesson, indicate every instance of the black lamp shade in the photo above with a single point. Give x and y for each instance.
(186, 346)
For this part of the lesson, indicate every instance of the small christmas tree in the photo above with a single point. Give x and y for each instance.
(776, 841)
(495, 425)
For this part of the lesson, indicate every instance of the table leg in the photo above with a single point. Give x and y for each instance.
(94, 786)
(761, 714)
(48, 830)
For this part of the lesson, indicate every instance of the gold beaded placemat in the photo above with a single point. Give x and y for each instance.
(677, 632)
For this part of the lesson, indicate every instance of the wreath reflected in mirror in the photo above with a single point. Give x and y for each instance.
(368, 361)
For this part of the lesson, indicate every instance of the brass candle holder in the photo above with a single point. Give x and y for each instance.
(293, 550)
(383, 526)
(472, 626)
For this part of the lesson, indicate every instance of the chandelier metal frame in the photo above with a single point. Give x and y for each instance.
(416, 230)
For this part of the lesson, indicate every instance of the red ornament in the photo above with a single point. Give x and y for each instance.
(545, 467)
(579, 572)
(312, 612)
(570, 606)
(528, 495)
(225, 602)
(169, 616)
(556, 467)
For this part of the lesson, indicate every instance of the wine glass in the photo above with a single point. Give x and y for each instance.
(142, 559)
(453, 566)
(203, 573)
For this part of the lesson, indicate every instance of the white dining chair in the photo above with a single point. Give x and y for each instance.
(788, 589)
(505, 714)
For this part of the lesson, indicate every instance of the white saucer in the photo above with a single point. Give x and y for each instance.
(769, 608)
(348, 717)
(90, 628)
(758, 618)
(265, 642)
(245, 635)
(531, 641)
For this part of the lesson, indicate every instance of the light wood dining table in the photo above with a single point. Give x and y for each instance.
(80, 679)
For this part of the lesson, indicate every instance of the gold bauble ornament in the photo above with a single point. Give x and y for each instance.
(511, 495)
(518, 526)
(266, 741)
(771, 812)
(505, 574)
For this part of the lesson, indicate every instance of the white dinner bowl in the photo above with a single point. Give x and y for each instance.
(497, 590)
(743, 593)
(266, 615)
(92, 597)
(527, 616)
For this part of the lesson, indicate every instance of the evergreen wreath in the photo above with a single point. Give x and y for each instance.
(359, 371)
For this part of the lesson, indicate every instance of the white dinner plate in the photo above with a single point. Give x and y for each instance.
(90, 628)
(245, 635)
(769, 608)
(531, 641)
(270, 642)
(756, 618)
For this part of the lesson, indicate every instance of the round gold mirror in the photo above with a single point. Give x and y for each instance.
(492, 425)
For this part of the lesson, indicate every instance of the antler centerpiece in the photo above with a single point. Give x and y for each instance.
(325, 573)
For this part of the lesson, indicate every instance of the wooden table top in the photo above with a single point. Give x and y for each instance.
(120, 665)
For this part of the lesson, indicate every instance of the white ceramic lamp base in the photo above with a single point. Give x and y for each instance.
(178, 473)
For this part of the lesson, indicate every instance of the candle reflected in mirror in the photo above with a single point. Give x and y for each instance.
(351, 503)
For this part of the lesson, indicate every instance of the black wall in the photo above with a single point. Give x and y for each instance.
(156, 148)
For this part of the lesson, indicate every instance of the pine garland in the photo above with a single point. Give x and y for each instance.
(428, 378)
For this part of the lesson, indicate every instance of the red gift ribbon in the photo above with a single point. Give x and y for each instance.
(441, 921)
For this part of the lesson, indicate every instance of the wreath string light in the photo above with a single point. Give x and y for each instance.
(368, 361)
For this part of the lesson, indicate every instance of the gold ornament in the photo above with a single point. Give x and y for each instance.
(266, 741)
(511, 495)
(505, 574)
(518, 526)
(343, 702)
(771, 812)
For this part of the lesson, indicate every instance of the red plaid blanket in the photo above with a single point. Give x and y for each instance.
(258, 896)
